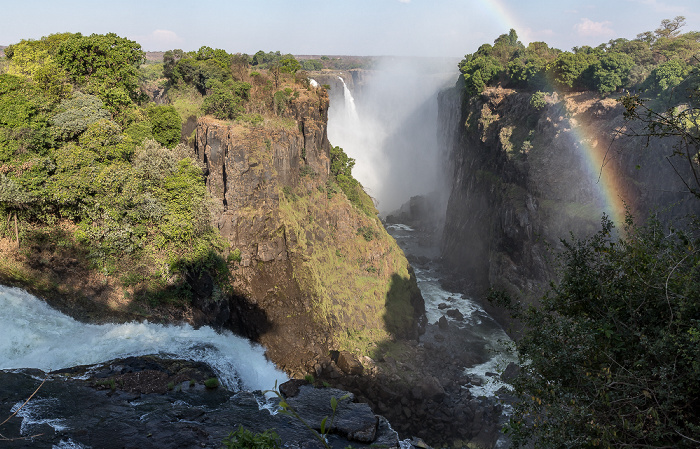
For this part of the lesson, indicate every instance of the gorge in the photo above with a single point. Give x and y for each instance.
(361, 269)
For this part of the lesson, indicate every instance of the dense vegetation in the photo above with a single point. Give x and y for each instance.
(655, 62)
(83, 148)
(611, 357)
(80, 147)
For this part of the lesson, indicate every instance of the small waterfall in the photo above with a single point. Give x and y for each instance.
(313, 82)
(37, 336)
(350, 107)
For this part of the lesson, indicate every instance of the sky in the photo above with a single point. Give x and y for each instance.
(445, 28)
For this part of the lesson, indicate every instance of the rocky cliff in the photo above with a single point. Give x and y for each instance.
(312, 272)
(525, 175)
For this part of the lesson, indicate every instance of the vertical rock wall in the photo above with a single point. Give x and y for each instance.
(521, 181)
(315, 273)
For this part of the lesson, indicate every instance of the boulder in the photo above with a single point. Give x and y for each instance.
(455, 314)
(349, 364)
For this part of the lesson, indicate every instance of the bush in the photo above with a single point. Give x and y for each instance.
(245, 439)
(77, 113)
(166, 124)
(537, 100)
(211, 383)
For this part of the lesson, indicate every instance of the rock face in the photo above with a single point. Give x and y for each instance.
(523, 178)
(312, 272)
(150, 402)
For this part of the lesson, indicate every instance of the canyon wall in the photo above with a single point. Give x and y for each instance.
(523, 178)
(312, 272)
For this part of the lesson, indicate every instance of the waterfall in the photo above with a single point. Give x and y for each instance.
(391, 129)
(350, 108)
(313, 82)
(37, 336)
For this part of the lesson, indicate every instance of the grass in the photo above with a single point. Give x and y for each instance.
(211, 383)
(346, 284)
(186, 101)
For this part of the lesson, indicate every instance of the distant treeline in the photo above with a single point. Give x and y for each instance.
(655, 62)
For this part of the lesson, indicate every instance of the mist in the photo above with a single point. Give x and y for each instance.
(392, 130)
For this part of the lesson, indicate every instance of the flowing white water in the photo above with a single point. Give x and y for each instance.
(387, 122)
(350, 107)
(37, 336)
(484, 334)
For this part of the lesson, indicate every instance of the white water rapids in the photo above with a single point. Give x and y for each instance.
(485, 336)
(37, 336)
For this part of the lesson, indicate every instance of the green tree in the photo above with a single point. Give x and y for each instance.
(166, 124)
(611, 357)
(479, 69)
(610, 72)
(107, 65)
(74, 115)
(289, 64)
(568, 68)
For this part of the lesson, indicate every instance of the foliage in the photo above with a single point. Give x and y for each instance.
(166, 124)
(75, 114)
(282, 98)
(222, 104)
(312, 65)
(537, 100)
(29, 56)
(654, 61)
(341, 169)
(211, 383)
(245, 439)
(667, 75)
(568, 68)
(611, 356)
(106, 65)
(610, 72)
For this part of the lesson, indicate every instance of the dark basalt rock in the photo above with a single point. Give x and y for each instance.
(455, 314)
(140, 402)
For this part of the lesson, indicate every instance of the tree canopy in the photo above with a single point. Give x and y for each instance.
(618, 64)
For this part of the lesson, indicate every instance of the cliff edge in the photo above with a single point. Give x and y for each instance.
(312, 272)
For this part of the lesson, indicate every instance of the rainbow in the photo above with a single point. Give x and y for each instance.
(596, 163)
(592, 147)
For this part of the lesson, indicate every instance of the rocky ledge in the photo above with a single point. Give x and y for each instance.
(153, 402)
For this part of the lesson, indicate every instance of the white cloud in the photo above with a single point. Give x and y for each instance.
(589, 28)
(165, 37)
(404, 1)
(159, 40)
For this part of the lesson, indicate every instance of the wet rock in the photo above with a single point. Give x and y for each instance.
(455, 314)
(443, 306)
(510, 373)
(71, 409)
(442, 323)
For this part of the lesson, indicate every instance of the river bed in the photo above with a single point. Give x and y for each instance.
(473, 330)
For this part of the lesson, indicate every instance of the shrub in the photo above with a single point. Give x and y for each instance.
(211, 383)
(166, 123)
(537, 100)
(245, 439)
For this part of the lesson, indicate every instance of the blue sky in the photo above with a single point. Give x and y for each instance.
(344, 27)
